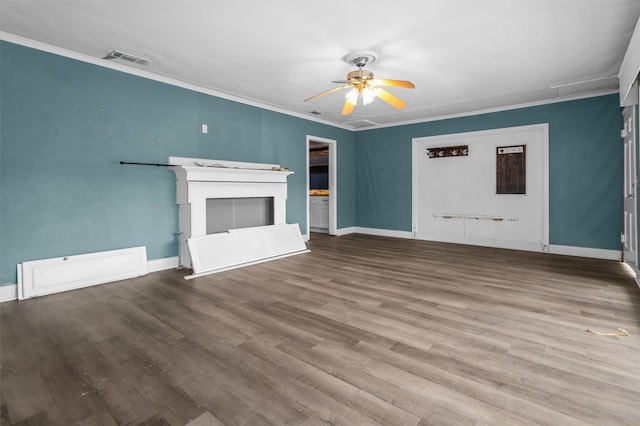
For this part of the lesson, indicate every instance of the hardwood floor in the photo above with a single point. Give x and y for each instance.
(363, 330)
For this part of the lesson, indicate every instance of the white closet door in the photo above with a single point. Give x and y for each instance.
(455, 198)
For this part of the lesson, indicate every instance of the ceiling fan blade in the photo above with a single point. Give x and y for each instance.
(395, 83)
(325, 93)
(347, 108)
(391, 99)
(340, 81)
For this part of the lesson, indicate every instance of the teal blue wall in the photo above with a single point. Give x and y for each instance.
(585, 168)
(65, 125)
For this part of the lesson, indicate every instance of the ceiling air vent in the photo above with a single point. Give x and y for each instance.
(361, 123)
(117, 54)
(587, 86)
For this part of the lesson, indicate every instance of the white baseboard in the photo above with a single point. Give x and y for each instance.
(8, 292)
(481, 242)
(633, 271)
(373, 231)
(383, 232)
(346, 231)
(319, 230)
(594, 253)
(156, 265)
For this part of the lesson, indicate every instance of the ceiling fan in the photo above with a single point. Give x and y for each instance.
(362, 84)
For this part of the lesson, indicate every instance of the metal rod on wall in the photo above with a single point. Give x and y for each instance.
(149, 164)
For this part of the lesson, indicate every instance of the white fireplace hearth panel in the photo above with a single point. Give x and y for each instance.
(241, 247)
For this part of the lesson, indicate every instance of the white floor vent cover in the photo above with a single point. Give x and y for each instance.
(40, 277)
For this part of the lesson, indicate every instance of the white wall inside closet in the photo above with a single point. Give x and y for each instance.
(455, 198)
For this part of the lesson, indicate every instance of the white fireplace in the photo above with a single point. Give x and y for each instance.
(214, 194)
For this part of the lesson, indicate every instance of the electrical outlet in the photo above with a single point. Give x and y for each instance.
(204, 128)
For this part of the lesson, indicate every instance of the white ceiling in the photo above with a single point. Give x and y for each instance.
(462, 55)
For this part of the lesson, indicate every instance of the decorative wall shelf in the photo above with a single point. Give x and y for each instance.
(448, 151)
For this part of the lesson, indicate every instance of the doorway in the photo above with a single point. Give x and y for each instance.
(321, 186)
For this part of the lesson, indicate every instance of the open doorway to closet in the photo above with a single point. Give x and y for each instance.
(321, 185)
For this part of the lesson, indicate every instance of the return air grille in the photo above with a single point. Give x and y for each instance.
(117, 54)
(361, 123)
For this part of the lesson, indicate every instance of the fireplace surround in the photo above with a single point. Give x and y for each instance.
(237, 186)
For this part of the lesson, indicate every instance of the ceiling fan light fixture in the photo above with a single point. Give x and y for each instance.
(361, 82)
(352, 96)
(369, 94)
(360, 74)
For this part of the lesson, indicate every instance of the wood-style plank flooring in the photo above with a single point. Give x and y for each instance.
(361, 331)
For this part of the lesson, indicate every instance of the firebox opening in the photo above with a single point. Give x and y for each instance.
(224, 214)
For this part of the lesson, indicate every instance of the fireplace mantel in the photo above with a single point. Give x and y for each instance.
(186, 175)
(223, 174)
(200, 179)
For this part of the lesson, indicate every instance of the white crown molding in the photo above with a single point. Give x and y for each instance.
(38, 45)
(23, 41)
(491, 110)
(629, 69)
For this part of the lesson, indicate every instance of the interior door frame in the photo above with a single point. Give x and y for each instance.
(415, 152)
(630, 126)
(333, 184)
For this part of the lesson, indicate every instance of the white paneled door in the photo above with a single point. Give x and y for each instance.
(630, 237)
(493, 194)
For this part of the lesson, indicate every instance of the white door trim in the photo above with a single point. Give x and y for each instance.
(630, 192)
(333, 184)
(543, 128)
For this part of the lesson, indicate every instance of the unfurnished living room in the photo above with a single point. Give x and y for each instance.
(319, 213)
